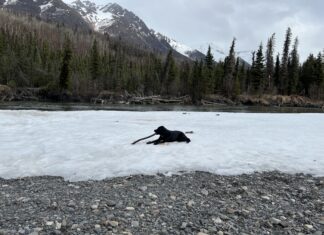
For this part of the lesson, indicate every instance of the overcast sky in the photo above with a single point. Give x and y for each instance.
(198, 23)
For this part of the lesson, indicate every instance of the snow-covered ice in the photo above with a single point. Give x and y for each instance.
(96, 144)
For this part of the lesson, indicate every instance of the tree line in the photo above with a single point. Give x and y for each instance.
(61, 60)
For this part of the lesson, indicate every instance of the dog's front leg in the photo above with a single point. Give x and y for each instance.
(153, 142)
(159, 141)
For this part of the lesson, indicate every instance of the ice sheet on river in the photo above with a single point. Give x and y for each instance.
(96, 144)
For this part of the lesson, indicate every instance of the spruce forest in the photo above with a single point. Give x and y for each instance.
(59, 60)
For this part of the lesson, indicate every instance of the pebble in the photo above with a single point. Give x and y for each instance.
(303, 189)
(318, 233)
(94, 207)
(321, 221)
(245, 188)
(275, 221)
(111, 203)
(71, 204)
(309, 226)
(58, 225)
(265, 198)
(74, 226)
(183, 225)
(135, 224)
(112, 223)
(64, 223)
(217, 220)
(54, 205)
(204, 192)
(143, 188)
(190, 203)
(153, 196)
(130, 208)
(49, 223)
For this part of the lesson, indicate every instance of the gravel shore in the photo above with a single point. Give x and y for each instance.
(191, 203)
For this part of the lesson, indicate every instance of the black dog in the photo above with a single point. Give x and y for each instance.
(169, 136)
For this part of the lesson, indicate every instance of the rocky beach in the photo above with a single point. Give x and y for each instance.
(189, 203)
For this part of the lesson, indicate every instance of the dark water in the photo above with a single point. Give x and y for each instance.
(44, 106)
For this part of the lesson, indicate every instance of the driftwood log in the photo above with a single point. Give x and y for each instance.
(159, 100)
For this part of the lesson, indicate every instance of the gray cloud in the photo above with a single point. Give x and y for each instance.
(200, 22)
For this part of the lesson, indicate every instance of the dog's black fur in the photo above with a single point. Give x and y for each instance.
(169, 136)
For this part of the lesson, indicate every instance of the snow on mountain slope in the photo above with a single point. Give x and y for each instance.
(10, 2)
(181, 48)
(96, 15)
(49, 10)
(117, 21)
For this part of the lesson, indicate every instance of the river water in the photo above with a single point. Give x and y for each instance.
(46, 106)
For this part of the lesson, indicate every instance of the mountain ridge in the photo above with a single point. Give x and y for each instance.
(55, 11)
(118, 21)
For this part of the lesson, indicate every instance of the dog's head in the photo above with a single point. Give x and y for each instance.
(161, 130)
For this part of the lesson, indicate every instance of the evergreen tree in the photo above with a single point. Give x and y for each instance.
(208, 83)
(184, 78)
(270, 64)
(172, 76)
(218, 77)
(243, 77)
(283, 76)
(65, 73)
(308, 74)
(319, 66)
(277, 72)
(258, 71)
(250, 74)
(237, 83)
(196, 94)
(169, 73)
(229, 68)
(209, 59)
(94, 66)
(293, 69)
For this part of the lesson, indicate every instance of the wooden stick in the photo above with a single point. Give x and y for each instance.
(189, 132)
(143, 139)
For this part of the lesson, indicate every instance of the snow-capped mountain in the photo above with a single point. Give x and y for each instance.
(179, 47)
(49, 10)
(110, 18)
(117, 21)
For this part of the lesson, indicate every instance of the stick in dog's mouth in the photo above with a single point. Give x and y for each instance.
(135, 142)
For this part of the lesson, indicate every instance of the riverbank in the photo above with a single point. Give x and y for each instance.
(192, 203)
(8, 94)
